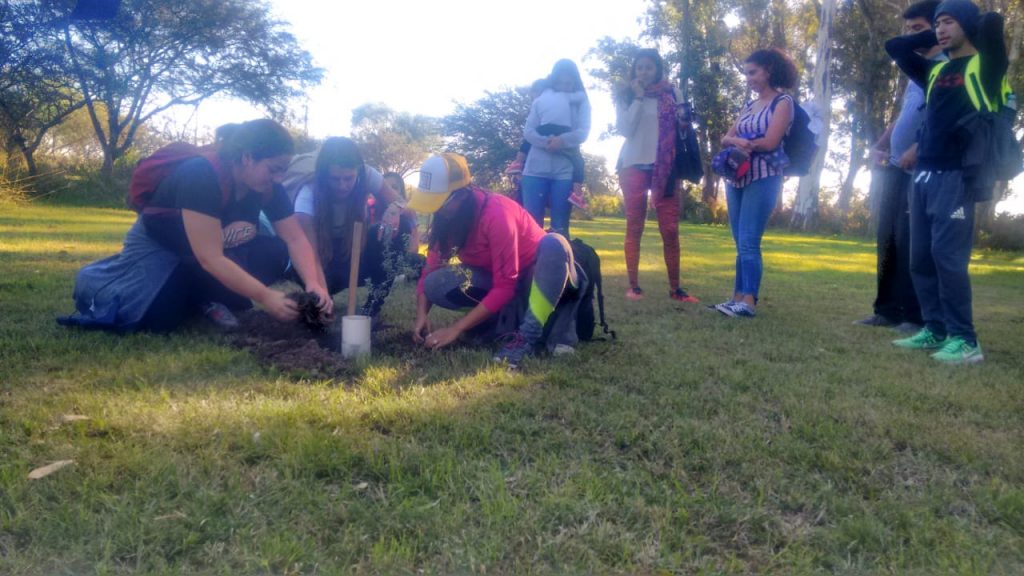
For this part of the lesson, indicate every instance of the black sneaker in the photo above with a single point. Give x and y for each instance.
(876, 320)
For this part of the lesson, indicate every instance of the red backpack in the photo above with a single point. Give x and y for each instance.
(152, 170)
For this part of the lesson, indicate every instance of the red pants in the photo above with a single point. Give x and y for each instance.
(635, 183)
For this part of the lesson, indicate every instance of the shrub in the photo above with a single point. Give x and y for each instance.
(606, 205)
(1006, 233)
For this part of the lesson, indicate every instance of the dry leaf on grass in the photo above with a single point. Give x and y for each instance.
(44, 471)
(73, 418)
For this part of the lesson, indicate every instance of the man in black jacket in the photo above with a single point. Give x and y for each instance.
(941, 210)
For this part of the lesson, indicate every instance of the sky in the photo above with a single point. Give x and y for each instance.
(424, 57)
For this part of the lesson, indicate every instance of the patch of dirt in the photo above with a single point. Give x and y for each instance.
(311, 347)
(299, 348)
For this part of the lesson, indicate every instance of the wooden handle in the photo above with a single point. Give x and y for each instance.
(353, 273)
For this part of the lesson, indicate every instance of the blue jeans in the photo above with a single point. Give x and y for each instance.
(749, 209)
(539, 192)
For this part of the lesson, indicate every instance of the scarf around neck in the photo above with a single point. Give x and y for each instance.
(661, 179)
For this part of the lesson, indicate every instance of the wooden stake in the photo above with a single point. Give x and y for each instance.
(353, 274)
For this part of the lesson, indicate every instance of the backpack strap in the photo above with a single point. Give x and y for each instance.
(600, 309)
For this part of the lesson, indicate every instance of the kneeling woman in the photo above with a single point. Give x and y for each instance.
(345, 190)
(512, 277)
(195, 245)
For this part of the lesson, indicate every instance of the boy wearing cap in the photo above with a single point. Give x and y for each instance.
(509, 267)
(941, 206)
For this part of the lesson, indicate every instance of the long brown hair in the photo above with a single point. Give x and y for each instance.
(344, 153)
(448, 233)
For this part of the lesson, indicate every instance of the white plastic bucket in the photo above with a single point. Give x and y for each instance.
(355, 336)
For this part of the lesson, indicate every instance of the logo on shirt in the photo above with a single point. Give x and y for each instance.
(958, 214)
(950, 81)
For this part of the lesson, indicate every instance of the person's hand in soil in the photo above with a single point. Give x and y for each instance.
(280, 306)
(443, 337)
(325, 302)
(421, 329)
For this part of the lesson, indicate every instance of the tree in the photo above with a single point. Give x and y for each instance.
(156, 55)
(489, 132)
(35, 92)
(806, 205)
(394, 141)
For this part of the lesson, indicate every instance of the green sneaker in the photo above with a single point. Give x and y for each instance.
(956, 350)
(923, 340)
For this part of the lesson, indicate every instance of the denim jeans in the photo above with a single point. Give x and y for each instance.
(749, 209)
(539, 192)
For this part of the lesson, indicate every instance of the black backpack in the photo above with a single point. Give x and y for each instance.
(798, 144)
(586, 322)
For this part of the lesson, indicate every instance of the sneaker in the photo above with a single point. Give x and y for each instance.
(907, 328)
(513, 350)
(577, 198)
(956, 350)
(682, 296)
(562, 350)
(923, 340)
(514, 168)
(634, 294)
(220, 316)
(876, 320)
(726, 308)
(739, 310)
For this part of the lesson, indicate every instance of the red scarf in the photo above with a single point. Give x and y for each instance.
(661, 179)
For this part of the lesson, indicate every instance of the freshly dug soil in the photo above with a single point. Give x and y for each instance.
(294, 347)
(311, 347)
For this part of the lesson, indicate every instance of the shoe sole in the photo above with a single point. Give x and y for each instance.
(905, 347)
(726, 311)
(961, 361)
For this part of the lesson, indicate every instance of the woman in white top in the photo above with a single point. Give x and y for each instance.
(342, 191)
(646, 115)
(554, 155)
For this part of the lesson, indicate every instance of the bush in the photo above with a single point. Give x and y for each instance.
(606, 205)
(1007, 233)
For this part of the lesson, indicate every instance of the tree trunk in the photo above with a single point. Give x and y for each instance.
(805, 207)
(709, 193)
(856, 161)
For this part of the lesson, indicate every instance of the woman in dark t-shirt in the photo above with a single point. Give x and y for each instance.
(225, 264)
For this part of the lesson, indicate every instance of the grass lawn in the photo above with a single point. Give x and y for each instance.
(794, 443)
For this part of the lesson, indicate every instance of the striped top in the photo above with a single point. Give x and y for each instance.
(753, 123)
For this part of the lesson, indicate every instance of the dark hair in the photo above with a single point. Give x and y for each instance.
(401, 190)
(539, 85)
(782, 74)
(566, 66)
(925, 9)
(448, 234)
(260, 139)
(344, 153)
(624, 94)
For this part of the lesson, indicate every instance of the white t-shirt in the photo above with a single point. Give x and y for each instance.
(373, 182)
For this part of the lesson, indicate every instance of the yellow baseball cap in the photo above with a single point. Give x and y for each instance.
(440, 175)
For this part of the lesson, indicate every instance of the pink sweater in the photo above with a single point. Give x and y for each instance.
(503, 241)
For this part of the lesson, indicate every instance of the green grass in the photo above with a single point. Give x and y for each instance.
(795, 443)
